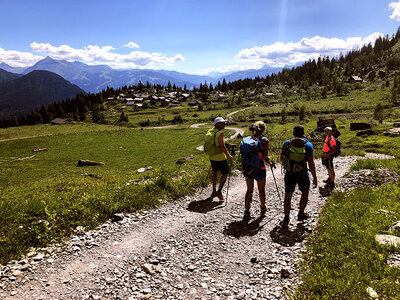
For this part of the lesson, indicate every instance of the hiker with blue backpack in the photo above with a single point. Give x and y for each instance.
(254, 153)
(296, 154)
(215, 147)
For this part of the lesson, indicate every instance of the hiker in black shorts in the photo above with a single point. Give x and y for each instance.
(219, 162)
(296, 154)
(327, 156)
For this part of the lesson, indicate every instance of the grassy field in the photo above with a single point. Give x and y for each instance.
(44, 195)
(343, 258)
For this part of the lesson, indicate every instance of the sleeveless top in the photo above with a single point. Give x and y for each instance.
(218, 156)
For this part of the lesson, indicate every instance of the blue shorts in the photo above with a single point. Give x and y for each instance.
(257, 174)
(291, 179)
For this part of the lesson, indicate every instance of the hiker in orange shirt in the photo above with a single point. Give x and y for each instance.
(327, 156)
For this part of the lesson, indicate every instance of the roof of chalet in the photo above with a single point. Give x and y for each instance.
(356, 78)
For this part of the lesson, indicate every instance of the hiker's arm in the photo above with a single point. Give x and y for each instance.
(265, 151)
(311, 165)
(222, 146)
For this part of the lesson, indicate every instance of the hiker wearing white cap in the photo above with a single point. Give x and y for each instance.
(218, 157)
(327, 156)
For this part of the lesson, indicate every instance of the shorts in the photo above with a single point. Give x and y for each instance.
(257, 174)
(328, 163)
(220, 165)
(291, 179)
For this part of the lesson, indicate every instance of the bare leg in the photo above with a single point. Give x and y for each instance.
(222, 181)
(303, 200)
(261, 191)
(287, 205)
(249, 193)
(331, 173)
(214, 180)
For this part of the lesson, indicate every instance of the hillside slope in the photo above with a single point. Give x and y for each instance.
(25, 93)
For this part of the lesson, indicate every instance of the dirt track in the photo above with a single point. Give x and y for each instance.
(197, 249)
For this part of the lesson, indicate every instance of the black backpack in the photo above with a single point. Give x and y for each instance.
(338, 147)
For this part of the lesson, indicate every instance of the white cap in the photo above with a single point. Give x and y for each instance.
(219, 120)
(328, 128)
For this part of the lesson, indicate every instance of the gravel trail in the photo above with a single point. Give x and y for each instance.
(189, 249)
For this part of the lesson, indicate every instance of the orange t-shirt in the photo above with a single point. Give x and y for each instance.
(332, 143)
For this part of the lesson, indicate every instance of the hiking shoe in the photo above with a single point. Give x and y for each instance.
(246, 216)
(262, 210)
(331, 185)
(213, 195)
(220, 196)
(285, 222)
(302, 216)
(326, 180)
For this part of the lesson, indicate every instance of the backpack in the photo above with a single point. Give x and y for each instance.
(250, 147)
(338, 144)
(209, 143)
(296, 157)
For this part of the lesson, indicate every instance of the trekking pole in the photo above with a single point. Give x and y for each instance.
(229, 175)
(273, 175)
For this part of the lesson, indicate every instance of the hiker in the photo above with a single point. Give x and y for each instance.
(256, 170)
(218, 158)
(328, 152)
(296, 154)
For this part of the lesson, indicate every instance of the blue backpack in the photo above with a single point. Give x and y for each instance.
(250, 147)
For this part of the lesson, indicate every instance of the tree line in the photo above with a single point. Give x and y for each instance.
(328, 73)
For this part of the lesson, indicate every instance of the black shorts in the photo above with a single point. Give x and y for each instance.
(291, 179)
(328, 163)
(221, 166)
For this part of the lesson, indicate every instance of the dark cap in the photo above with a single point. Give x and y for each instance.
(298, 131)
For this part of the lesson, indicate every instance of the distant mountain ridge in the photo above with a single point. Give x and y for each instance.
(7, 76)
(25, 93)
(17, 70)
(96, 78)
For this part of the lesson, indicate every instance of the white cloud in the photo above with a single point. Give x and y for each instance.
(95, 55)
(396, 10)
(230, 68)
(132, 45)
(18, 59)
(281, 54)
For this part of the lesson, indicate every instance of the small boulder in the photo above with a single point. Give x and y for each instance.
(385, 239)
(182, 161)
(85, 162)
(118, 217)
(360, 126)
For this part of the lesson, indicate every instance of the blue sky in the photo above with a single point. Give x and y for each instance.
(187, 35)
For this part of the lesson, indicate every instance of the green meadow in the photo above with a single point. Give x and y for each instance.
(45, 195)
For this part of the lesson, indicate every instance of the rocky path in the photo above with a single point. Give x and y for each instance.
(190, 249)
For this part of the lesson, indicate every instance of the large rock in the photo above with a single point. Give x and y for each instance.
(385, 239)
(360, 126)
(85, 162)
(323, 122)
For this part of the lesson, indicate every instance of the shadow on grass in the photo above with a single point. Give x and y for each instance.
(241, 228)
(204, 206)
(286, 237)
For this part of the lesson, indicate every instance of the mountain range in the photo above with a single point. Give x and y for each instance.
(96, 78)
(21, 94)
